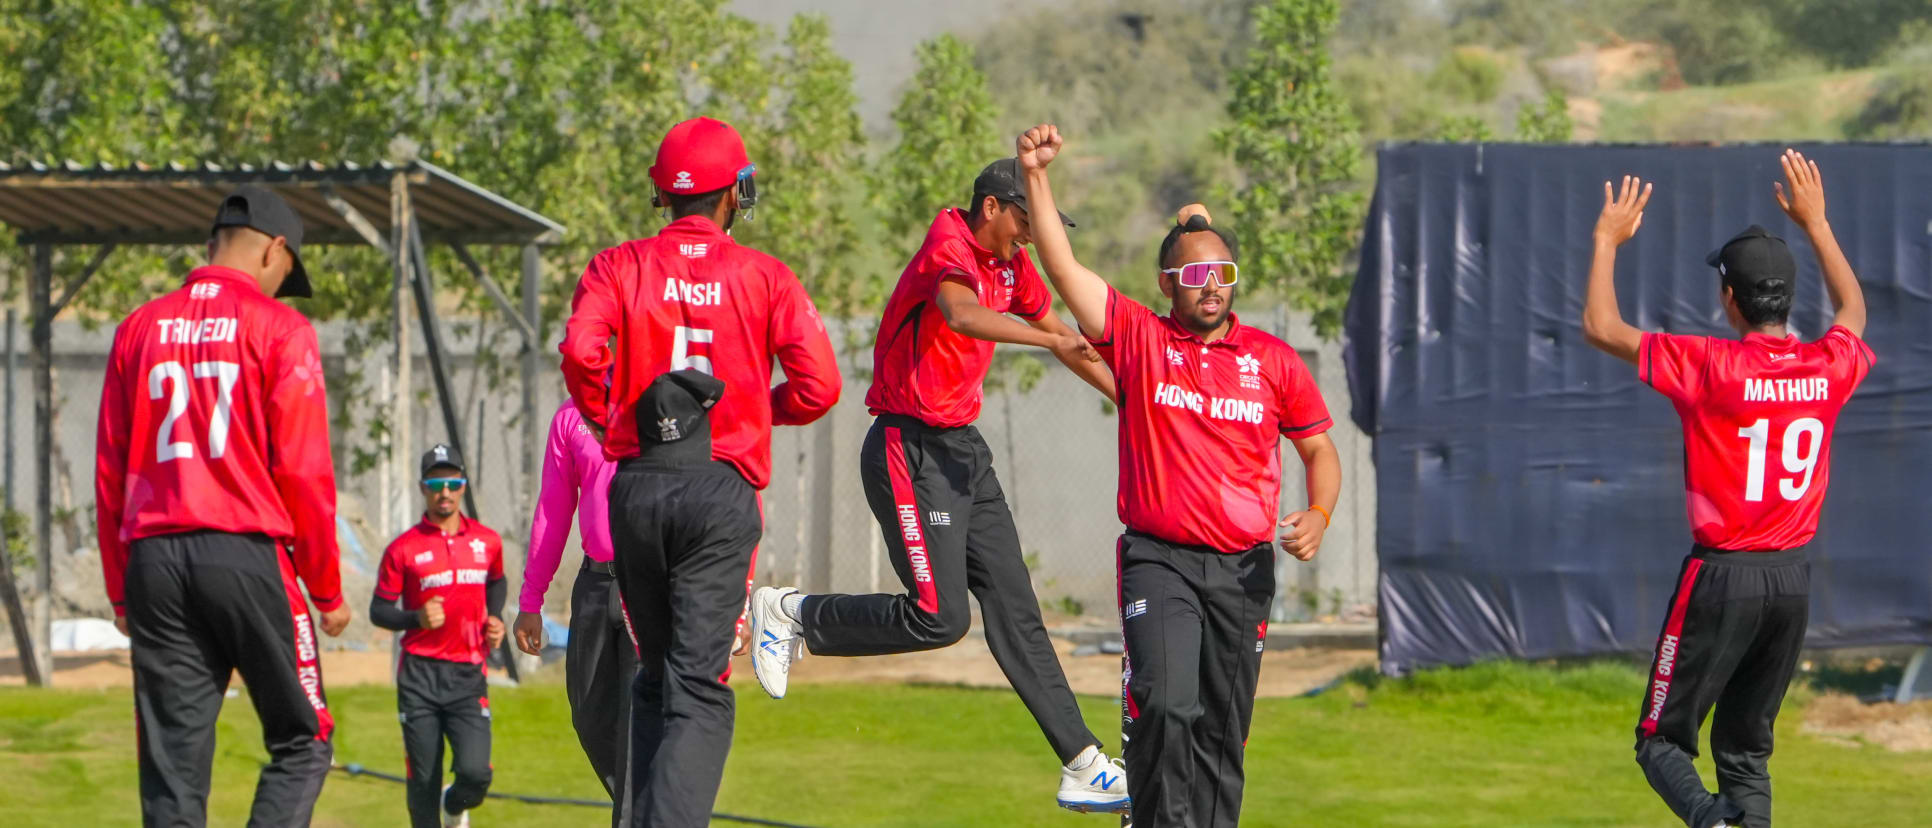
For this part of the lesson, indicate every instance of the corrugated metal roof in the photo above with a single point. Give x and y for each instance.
(72, 203)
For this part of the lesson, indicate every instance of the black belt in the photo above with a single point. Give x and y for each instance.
(606, 568)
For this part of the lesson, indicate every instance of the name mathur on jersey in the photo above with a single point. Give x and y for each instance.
(1801, 389)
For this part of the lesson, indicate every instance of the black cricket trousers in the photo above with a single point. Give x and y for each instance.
(1731, 640)
(201, 605)
(437, 699)
(684, 535)
(1193, 621)
(600, 660)
(948, 531)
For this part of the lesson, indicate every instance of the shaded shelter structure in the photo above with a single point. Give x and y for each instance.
(398, 209)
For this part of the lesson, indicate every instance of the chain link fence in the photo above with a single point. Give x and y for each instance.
(1053, 441)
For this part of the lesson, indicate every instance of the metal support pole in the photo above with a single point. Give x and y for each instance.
(532, 369)
(23, 638)
(41, 291)
(433, 343)
(532, 426)
(400, 416)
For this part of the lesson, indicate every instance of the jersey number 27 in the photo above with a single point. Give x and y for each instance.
(160, 376)
(1800, 456)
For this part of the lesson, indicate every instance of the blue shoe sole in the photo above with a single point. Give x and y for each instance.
(1114, 807)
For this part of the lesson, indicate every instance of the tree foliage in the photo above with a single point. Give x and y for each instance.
(946, 135)
(1546, 121)
(1299, 206)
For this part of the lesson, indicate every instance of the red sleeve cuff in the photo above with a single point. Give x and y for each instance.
(326, 604)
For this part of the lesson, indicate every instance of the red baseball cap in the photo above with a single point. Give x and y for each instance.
(698, 156)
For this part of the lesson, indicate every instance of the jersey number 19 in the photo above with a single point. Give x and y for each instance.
(1800, 456)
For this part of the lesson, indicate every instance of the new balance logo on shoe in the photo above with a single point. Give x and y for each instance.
(1104, 781)
(769, 642)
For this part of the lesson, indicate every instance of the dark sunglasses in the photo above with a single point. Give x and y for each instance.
(446, 484)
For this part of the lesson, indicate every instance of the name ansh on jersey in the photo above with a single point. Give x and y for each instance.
(1802, 389)
(700, 295)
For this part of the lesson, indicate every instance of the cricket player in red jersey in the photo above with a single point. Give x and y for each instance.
(929, 478)
(1758, 414)
(447, 574)
(1204, 403)
(214, 494)
(667, 311)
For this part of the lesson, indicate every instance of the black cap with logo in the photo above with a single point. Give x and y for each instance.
(260, 209)
(674, 416)
(1001, 180)
(1752, 260)
(442, 456)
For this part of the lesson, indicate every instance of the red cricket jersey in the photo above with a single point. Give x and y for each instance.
(425, 562)
(920, 367)
(1758, 415)
(690, 297)
(213, 416)
(1201, 426)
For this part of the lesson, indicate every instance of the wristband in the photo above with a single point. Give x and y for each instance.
(1327, 519)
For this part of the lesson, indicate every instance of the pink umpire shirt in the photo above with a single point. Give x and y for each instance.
(575, 475)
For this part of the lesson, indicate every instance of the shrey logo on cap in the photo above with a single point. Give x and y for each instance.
(683, 182)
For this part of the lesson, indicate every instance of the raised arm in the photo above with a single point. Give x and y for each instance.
(1803, 199)
(1603, 324)
(1083, 290)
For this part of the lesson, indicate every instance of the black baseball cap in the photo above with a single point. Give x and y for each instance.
(673, 416)
(442, 456)
(260, 209)
(1001, 180)
(1754, 257)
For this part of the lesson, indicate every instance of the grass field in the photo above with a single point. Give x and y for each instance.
(1494, 745)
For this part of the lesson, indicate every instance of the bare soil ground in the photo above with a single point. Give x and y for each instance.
(1895, 727)
(968, 663)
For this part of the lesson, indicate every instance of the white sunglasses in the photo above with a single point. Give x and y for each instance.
(1197, 274)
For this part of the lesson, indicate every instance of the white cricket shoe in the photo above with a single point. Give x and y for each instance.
(775, 638)
(1093, 783)
(456, 820)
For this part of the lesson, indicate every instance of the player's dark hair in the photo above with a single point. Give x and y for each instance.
(1767, 302)
(1198, 223)
(973, 211)
(697, 204)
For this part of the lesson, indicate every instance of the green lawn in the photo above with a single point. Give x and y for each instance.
(1499, 745)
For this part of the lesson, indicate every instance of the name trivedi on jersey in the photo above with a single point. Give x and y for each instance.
(1803, 389)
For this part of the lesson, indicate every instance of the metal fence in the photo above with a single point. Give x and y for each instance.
(1053, 445)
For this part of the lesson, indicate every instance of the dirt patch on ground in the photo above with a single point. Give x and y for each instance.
(968, 663)
(1896, 727)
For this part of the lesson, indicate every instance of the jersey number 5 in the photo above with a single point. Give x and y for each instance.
(1791, 488)
(225, 374)
(682, 338)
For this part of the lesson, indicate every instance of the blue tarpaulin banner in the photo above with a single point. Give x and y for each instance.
(1530, 489)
